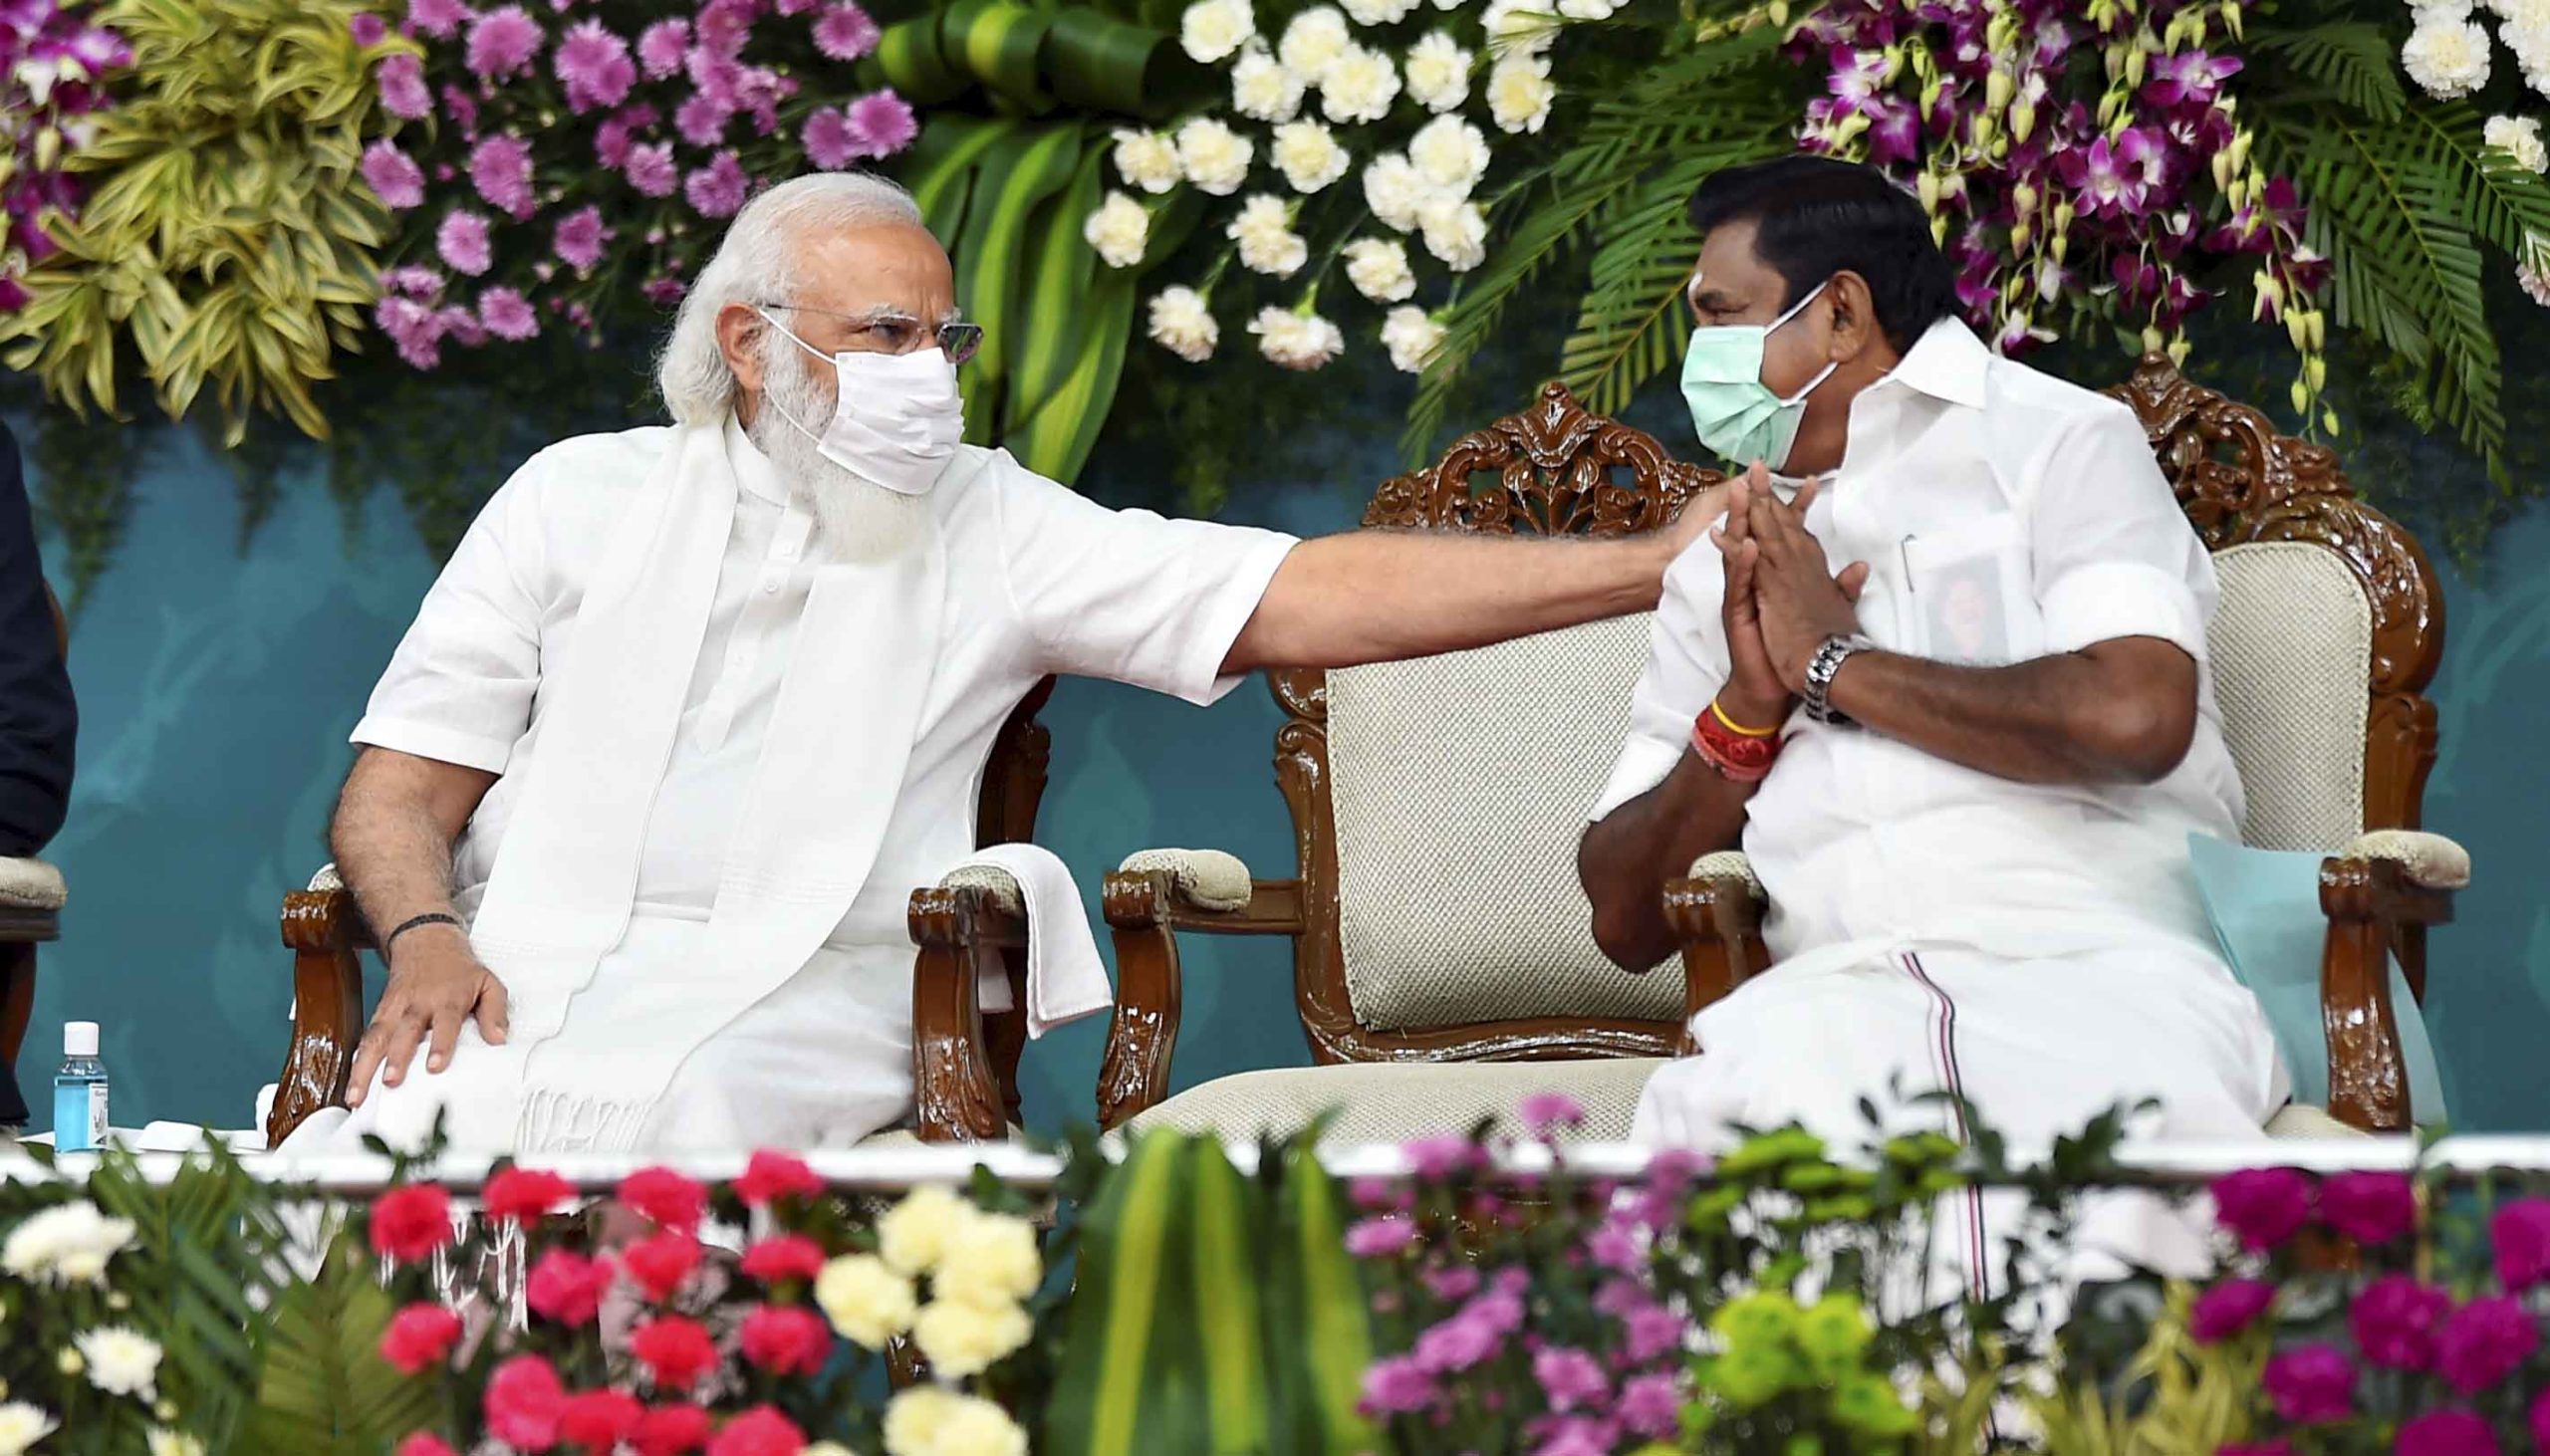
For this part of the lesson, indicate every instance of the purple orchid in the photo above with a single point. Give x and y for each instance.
(2189, 78)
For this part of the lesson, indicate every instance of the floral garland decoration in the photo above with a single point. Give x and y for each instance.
(1396, 110)
(51, 62)
(2084, 160)
(576, 157)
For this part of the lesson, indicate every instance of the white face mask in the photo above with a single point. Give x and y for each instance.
(896, 418)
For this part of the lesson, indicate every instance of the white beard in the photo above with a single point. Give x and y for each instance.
(856, 522)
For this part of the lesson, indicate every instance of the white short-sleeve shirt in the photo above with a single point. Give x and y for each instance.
(1040, 581)
(2004, 515)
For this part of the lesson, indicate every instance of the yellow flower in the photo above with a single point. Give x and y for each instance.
(928, 1420)
(988, 1259)
(912, 1232)
(980, 1428)
(867, 1302)
(1755, 1321)
(1833, 1331)
(69, 1363)
(961, 1339)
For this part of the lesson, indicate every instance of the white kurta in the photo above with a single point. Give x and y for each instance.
(1037, 581)
(2041, 950)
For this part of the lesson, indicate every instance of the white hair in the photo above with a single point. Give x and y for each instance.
(757, 261)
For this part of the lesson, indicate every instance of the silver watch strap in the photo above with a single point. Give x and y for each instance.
(1820, 670)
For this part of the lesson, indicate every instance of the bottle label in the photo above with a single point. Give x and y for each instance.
(78, 1115)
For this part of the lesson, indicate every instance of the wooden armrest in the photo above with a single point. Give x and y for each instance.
(1145, 910)
(1719, 920)
(1146, 898)
(963, 933)
(327, 936)
(2377, 908)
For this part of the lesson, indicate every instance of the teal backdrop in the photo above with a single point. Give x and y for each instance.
(217, 684)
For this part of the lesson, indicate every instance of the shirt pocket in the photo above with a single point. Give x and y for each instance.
(1968, 596)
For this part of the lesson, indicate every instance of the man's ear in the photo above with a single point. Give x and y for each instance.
(1854, 317)
(739, 332)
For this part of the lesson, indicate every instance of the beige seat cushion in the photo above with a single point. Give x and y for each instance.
(31, 884)
(2292, 650)
(1393, 1101)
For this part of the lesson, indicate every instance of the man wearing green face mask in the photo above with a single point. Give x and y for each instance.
(1950, 698)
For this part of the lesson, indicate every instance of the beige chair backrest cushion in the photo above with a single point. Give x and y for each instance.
(1459, 786)
(2292, 647)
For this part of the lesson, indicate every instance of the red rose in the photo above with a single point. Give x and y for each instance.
(523, 1195)
(787, 1256)
(760, 1431)
(675, 1350)
(423, 1443)
(409, 1223)
(567, 1288)
(661, 1261)
(669, 1199)
(671, 1430)
(776, 1175)
(786, 1340)
(524, 1400)
(419, 1336)
(599, 1420)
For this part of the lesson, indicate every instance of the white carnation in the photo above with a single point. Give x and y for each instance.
(1183, 323)
(2448, 58)
(1588, 9)
(1214, 158)
(1455, 232)
(1267, 243)
(68, 1243)
(1313, 43)
(1296, 340)
(21, 1425)
(1524, 27)
(1360, 87)
(121, 1362)
(1120, 231)
(1378, 270)
(1439, 73)
(1395, 191)
(1411, 336)
(1308, 156)
(1519, 92)
(1378, 12)
(166, 1442)
(1213, 29)
(2521, 137)
(2535, 287)
(1262, 89)
(1146, 160)
(1451, 153)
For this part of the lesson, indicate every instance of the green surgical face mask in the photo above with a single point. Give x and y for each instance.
(1734, 414)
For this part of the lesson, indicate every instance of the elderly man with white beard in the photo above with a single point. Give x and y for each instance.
(692, 710)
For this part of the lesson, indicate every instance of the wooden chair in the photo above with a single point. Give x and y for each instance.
(31, 900)
(965, 1060)
(2331, 624)
(1443, 960)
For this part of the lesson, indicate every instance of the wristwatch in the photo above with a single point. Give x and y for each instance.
(1828, 661)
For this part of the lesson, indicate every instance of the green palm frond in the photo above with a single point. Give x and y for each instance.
(1629, 325)
(325, 1389)
(2352, 58)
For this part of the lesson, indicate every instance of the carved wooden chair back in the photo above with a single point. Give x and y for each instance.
(1437, 804)
(2330, 626)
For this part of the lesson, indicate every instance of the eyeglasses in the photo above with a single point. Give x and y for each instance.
(898, 334)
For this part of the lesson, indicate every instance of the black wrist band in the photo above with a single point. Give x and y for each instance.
(436, 919)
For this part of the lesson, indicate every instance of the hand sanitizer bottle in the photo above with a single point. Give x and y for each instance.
(80, 1091)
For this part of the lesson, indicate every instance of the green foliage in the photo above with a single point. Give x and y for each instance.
(324, 1390)
(229, 242)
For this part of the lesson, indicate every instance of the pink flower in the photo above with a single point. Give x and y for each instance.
(666, 1198)
(599, 1420)
(2539, 1419)
(843, 32)
(2521, 1234)
(523, 1403)
(500, 168)
(2100, 179)
(1651, 1406)
(1379, 1238)
(618, 132)
(392, 175)
(663, 290)
(671, 1430)
(1546, 1112)
(580, 237)
(502, 43)
(1436, 1158)
(1652, 1331)
(436, 19)
(419, 1336)
(675, 1351)
(464, 115)
(2192, 78)
(1570, 1377)
(760, 1431)
(2257, 1448)
(650, 169)
(1612, 1246)
(702, 119)
(409, 1223)
(1397, 1385)
(2312, 1386)
(2394, 1320)
(460, 326)
(524, 1196)
(506, 314)
(2484, 1342)
(594, 64)
(368, 29)
(423, 1443)
(2446, 1433)
(1577, 1437)
(1456, 1282)
(415, 328)
(2263, 1206)
(2227, 1308)
(401, 81)
(463, 242)
(660, 47)
(725, 26)
(883, 124)
(717, 190)
(661, 1261)
(783, 1257)
(786, 1340)
(567, 1288)
(829, 141)
(770, 1176)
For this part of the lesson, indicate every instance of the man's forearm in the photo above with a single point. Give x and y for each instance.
(1383, 596)
(2110, 714)
(1625, 859)
(393, 832)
